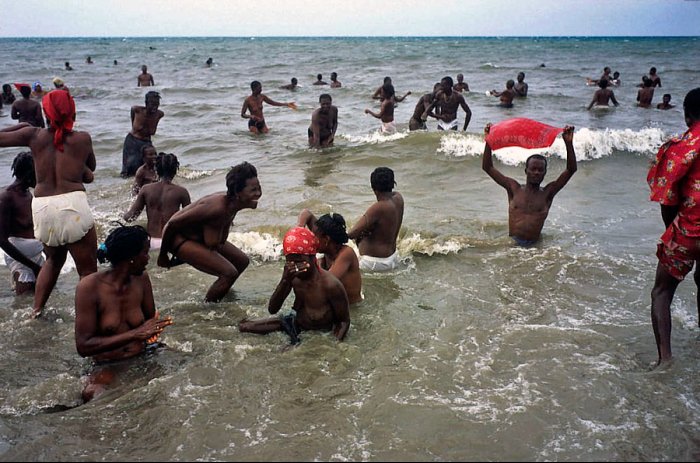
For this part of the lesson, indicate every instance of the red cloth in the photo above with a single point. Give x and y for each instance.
(674, 179)
(60, 109)
(19, 85)
(522, 132)
(299, 240)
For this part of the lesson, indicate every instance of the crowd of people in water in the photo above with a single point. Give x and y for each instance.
(115, 311)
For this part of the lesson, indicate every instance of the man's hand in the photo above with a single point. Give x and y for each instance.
(568, 134)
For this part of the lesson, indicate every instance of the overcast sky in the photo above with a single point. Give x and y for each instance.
(142, 18)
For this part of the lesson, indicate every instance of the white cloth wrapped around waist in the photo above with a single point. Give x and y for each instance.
(379, 264)
(61, 219)
(33, 250)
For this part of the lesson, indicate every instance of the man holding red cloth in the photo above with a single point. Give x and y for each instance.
(64, 160)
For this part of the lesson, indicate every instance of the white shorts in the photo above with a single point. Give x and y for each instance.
(379, 264)
(33, 250)
(61, 219)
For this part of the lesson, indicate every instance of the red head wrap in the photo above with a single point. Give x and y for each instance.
(300, 240)
(60, 109)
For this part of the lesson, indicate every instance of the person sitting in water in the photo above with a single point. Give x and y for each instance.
(161, 199)
(666, 102)
(320, 301)
(147, 172)
(319, 80)
(338, 258)
(291, 86)
(528, 205)
(377, 230)
(603, 96)
(335, 83)
(115, 314)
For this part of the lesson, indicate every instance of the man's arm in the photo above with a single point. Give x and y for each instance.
(399, 99)
(306, 219)
(377, 94)
(465, 107)
(614, 100)
(338, 299)
(282, 290)
(245, 108)
(14, 113)
(554, 187)
(590, 105)
(18, 135)
(5, 245)
(276, 103)
(364, 225)
(487, 165)
(315, 130)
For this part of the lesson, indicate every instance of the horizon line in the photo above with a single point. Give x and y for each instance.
(333, 36)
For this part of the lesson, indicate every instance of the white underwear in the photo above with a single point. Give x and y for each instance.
(379, 264)
(452, 125)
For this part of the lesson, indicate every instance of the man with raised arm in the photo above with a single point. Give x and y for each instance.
(253, 108)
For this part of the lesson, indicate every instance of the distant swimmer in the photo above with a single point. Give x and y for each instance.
(423, 107)
(528, 205)
(320, 301)
(386, 110)
(68, 67)
(447, 103)
(7, 96)
(379, 92)
(144, 123)
(666, 102)
(88, 60)
(209, 62)
(335, 83)
(461, 85)
(254, 105)
(506, 96)
(161, 199)
(378, 229)
(338, 258)
(115, 313)
(27, 110)
(23, 253)
(115, 62)
(324, 123)
(319, 80)
(521, 86)
(603, 96)
(292, 86)
(197, 235)
(145, 79)
(645, 94)
(655, 79)
(147, 172)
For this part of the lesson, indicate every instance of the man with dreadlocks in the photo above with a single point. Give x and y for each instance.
(144, 123)
(24, 255)
(63, 160)
(161, 199)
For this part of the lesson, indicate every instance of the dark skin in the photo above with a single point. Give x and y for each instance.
(324, 122)
(144, 119)
(386, 111)
(16, 220)
(506, 96)
(447, 103)
(602, 97)
(377, 230)
(26, 110)
(420, 113)
(320, 301)
(58, 172)
(197, 235)
(528, 205)
(147, 172)
(145, 79)
(253, 109)
(645, 95)
(161, 200)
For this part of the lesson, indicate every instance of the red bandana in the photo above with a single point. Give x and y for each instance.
(60, 109)
(300, 240)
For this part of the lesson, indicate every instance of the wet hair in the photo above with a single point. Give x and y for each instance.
(325, 96)
(388, 90)
(294, 81)
(23, 164)
(333, 225)
(667, 95)
(648, 82)
(616, 74)
(387, 80)
(536, 156)
(145, 147)
(319, 76)
(152, 94)
(652, 71)
(123, 243)
(603, 83)
(238, 176)
(382, 179)
(521, 74)
(334, 75)
(25, 90)
(691, 104)
(510, 83)
(255, 84)
(606, 69)
(447, 79)
(167, 165)
(6, 87)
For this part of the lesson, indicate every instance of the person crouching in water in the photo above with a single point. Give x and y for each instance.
(320, 301)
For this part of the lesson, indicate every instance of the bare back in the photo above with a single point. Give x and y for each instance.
(377, 230)
(162, 200)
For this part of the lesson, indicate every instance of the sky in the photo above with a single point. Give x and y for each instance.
(258, 18)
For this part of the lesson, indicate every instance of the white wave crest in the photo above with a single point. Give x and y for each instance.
(375, 137)
(417, 244)
(262, 245)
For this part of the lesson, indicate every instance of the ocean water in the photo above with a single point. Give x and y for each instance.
(473, 350)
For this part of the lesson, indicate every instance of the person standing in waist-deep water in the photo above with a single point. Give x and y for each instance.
(528, 205)
(521, 86)
(144, 123)
(386, 110)
(64, 161)
(145, 79)
(447, 103)
(320, 301)
(197, 235)
(23, 253)
(254, 105)
(673, 180)
(26, 109)
(335, 83)
(115, 313)
(603, 95)
(324, 123)
(378, 229)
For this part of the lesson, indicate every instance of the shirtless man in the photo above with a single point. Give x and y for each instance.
(604, 76)
(645, 94)
(386, 110)
(64, 161)
(254, 105)
(27, 110)
(520, 87)
(461, 85)
(144, 123)
(23, 253)
(324, 122)
(423, 107)
(528, 205)
(506, 96)
(379, 92)
(338, 258)
(655, 79)
(377, 230)
(603, 95)
(666, 102)
(161, 199)
(292, 86)
(447, 103)
(147, 172)
(198, 234)
(145, 79)
(320, 301)
(335, 83)
(319, 80)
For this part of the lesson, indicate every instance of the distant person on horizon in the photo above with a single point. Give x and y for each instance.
(506, 96)
(209, 62)
(335, 83)
(291, 86)
(145, 79)
(88, 60)
(68, 67)
(144, 123)
(603, 96)
(254, 105)
(447, 103)
(324, 123)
